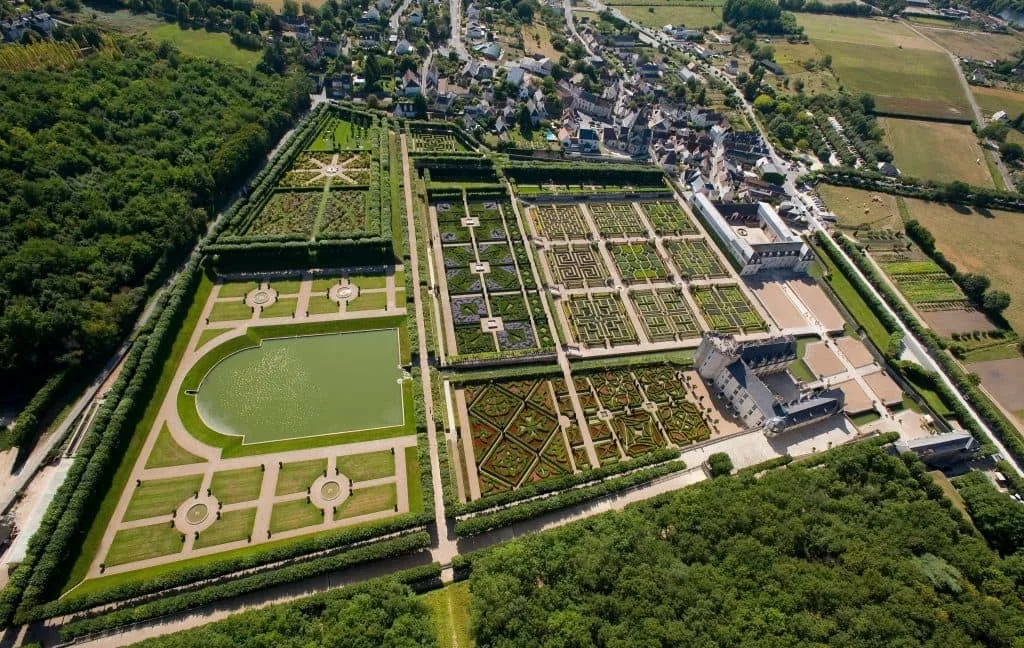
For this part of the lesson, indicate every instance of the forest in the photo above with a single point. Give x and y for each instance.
(381, 614)
(109, 171)
(861, 550)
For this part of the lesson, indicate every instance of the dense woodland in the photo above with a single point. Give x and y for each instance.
(861, 551)
(384, 614)
(108, 172)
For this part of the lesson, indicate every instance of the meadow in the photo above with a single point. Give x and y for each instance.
(691, 15)
(992, 100)
(857, 208)
(936, 151)
(975, 44)
(199, 42)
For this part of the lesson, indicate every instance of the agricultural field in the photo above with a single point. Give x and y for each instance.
(726, 309)
(992, 100)
(560, 221)
(923, 283)
(860, 209)
(936, 151)
(638, 262)
(974, 44)
(694, 259)
(617, 220)
(693, 16)
(577, 266)
(598, 320)
(907, 73)
(488, 278)
(668, 218)
(665, 315)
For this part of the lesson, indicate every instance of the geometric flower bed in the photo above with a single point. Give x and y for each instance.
(599, 318)
(287, 212)
(668, 218)
(515, 432)
(726, 309)
(665, 314)
(648, 410)
(694, 258)
(617, 220)
(344, 213)
(638, 262)
(560, 221)
(317, 169)
(577, 266)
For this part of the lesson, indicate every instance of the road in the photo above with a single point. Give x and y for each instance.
(571, 23)
(979, 117)
(455, 39)
(397, 15)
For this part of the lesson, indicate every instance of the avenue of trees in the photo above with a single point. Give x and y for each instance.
(108, 173)
(859, 551)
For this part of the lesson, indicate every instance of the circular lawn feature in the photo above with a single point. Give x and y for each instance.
(289, 388)
(197, 513)
(330, 491)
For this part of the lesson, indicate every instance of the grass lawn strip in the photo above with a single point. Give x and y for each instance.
(369, 282)
(281, 308)
(141, 543)
(369, 301)
(237, 289)
(298, 476)
(230, 311)
(363, 501)
(294, 515)
(161, 496)
(412, 479)
(210, 334)
(231, 527)
(286, 287)
(232, 486)
(166, 452)
(364, 467)
(449, 610)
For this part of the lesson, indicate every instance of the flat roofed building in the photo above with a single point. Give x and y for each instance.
(755, 236)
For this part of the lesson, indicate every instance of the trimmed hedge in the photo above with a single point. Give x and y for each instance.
(986, 410)
(572, 173)
(26, 428)
(508, 516)
(214, 593)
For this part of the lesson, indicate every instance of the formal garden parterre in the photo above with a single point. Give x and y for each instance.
(599, 320)
(665, 315)
(726, 309)
(694, 259)
(668, 218)
(638, 263)
(617, 220)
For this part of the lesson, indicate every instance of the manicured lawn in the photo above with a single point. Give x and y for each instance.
(283, 307)
(363, 467)
(865, 418)
(294, 515)
(854, 303)
(237, 288)
(231, 527)
(199, 42)
(693, 17)
(412, 476)
(368, 500)
(907, 73)
(161, 496)
(298, 476)
(286, 286)
(934, 151)
(290, 388)
(322, 285)
(242, 485)
(369, 282)
(319, 305)
(140, 543)
(230, 311)
(369, 301)
(449, 610)
(166, 452)
(208, 335)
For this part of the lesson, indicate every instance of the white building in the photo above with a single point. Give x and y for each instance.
(755, 236)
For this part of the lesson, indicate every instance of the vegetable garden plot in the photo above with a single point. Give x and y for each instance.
(577, 266)
(667, 217)
(924, 282)
(617, 220)
(638, 262)
(287, 212)
(515, 432)
(560, 221)
(665, 315)
(599, 319)
(726, 309)
(695, 258)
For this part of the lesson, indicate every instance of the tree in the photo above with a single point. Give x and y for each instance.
(974, 286)
(1011, 151)
(764, 104)
(419, 102)
(274, 58)
(719, 464)
(291, 8)
(996, 301)
(524, 9)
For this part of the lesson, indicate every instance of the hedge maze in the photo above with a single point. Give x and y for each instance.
(668, 218)
(577, 266)
(695, 259)
(665, 315)
(515, 431)
(631, 412)
(726, 309)
(638, 262)
(560, 222)
(617, 220)
(599, 319)
(488, 275)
